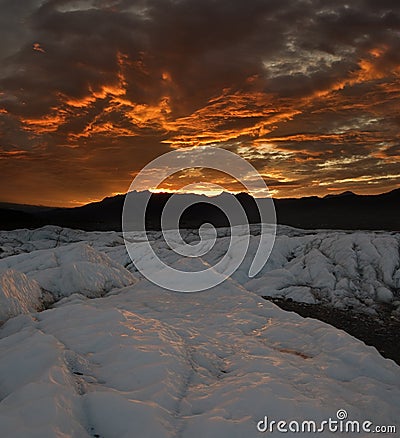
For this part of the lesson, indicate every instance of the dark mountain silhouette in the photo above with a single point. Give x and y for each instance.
(347, 193)
(343, 211)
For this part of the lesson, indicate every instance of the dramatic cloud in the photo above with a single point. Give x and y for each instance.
(92, 90)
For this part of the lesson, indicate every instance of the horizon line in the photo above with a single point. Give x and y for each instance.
(171, 192)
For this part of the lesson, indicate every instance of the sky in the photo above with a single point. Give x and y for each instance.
(93, 90)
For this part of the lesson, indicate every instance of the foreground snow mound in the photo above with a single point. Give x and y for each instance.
(146, 362)
(18, 294)
(73, 268)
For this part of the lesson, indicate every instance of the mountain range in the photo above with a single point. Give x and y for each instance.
(347, 211)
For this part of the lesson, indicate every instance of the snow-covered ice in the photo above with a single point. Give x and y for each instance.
(116, 356)
(18, 294)
(73, 268)
(345, 269)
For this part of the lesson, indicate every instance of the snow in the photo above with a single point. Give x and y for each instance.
(69, 269)
(116, 356)
(18, 294)
(344, 269)
(357, 270)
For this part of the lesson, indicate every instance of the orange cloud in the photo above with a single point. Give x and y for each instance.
(312, 110)
(44, 125)
(4, 155)
(38, 48)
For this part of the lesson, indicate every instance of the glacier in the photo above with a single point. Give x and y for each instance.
(90, 348)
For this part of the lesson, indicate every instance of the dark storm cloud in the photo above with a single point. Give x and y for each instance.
(99, 81)
(205, 46)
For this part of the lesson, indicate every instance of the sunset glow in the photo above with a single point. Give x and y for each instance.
(90, 92)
